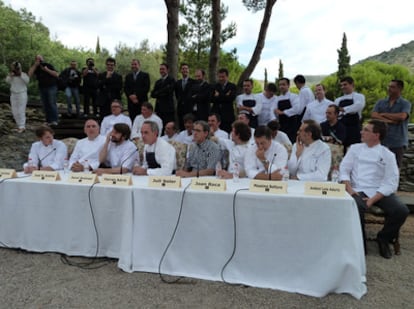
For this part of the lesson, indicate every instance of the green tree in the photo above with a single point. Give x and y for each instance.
(98, 46)
(344, 60)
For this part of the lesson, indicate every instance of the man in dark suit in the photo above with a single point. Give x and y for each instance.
(137, 85)
(182, 89)
(163, 92)
(200, 96)
(110, 87)
(223, 98)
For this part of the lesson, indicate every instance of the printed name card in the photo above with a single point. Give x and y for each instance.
(116, 180)
(7, 173)
(164, 181)
(45, 175)
(268, 186)
(83, 178)
(208, 184)
(325, 189)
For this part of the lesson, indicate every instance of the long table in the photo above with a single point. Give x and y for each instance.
(289, 242)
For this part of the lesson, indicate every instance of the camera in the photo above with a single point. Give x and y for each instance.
(90, 64)
(16, 67)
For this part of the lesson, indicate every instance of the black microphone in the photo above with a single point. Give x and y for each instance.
(270, 166)
(39, 163)
(122, 163)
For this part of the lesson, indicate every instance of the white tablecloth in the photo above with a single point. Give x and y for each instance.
(56, 216)
(290, 242)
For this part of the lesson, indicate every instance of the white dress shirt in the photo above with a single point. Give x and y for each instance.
(139, 120)
(237, 153)
(313, 164)
(276, 155)
(52, 155)
(125, 154)
(267, 114)
(87, 149)
(256, 110)
(282, 138)
(294, 101)
(316, 110)
(184, 138)
(306, 96)
(164, 155)
(370, 169)
(169, 139)
(357, 107)
(221, 134)
(109, 121)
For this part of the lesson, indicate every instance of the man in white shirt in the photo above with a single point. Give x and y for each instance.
(170, 132)
(316, 110)
(370, 173)
(87, 148)
(147, 113)
(214, 121)
(159, 155)
(116, 117)
(244, 117)
(47, 154)
(305, 94)
(186, 136)
(267, 158)
(268, 99)
(118, 154)
(310, 158)
(249, 102)
(278, 135)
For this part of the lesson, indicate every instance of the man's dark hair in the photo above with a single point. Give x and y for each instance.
(243, 130)
(263, 131)
(273, 125)
(110, 59)
(271, 87)
(40, 131)
(224, 70)
(399, 83)
(183, 64)
(314, 128)
(336, 108)
(124, 129)
(347, 79)
(215, 115)
(287, 80)
(164, 64)
(248, 80)
(323, 87)
(300, 79)
(147, 105)
(188, 117)
(379, 126)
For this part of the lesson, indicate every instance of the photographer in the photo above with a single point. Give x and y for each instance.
(18, 81)
(90, 87)
(72, 78)
(47, 78)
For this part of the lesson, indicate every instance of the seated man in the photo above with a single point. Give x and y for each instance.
(310, 158)
(147, 113)
(333, 131)
(116, 117)
(87, 148)
(245, 117)
(237, 147)
(170, 132)
(47, 154)
(278, 135)
(214, 122)
(370, 173)
(118, 154)
(159, 155)
(186, 136)
(266, 159)
(203, 155)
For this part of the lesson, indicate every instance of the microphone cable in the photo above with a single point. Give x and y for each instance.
(171, 240)
(234, 237)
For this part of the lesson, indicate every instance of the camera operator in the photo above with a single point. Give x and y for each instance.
(72, 78)
(47, 77)
(18, 81)
(90, 87)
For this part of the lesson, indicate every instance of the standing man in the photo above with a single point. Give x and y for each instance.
(147, 114)
(90, 88)
(316, 110)
(110, 87)
(163, 92)
(395, 111)
(47, 77)
(247, 101)
(182, 89)
(370, 173)
(350, 105)
(268, 99)
(223, 98)
(137, 85)
(305, 95)
(200, 95)
(72, 78)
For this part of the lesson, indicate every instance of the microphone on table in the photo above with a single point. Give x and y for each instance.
(130, 155)
(39, 163)
(270, 166)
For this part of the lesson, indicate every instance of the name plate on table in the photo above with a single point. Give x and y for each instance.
(7, 173)
(208, 184)
(116, 180)
(84, 178)
(45, 175)
(164, 181)
(268, 186)
(325, 189)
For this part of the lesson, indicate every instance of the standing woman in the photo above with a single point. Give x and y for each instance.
(18, 81)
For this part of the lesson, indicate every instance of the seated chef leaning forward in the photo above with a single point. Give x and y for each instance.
(266, 159)
(311, 158)
(119, 154)
(203, 155)
(47, 154)
(159, 155)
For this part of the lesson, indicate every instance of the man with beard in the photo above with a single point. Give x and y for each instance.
(110, 86)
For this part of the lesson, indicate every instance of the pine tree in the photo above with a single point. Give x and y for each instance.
(265, 77)
(98, 47)
(344, 59)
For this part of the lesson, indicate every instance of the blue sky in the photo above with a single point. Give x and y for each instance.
(303, 34)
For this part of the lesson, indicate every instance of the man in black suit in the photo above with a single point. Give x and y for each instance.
(200, 96)
(182, 89)
(223, 98)
(110, 87)
(137, 85)
(163, 92)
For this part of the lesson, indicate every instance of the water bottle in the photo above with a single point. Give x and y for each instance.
(335, 175)
(86, 166)
(285, 174)
(218, 169)
(66, 166)
(236, 172)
